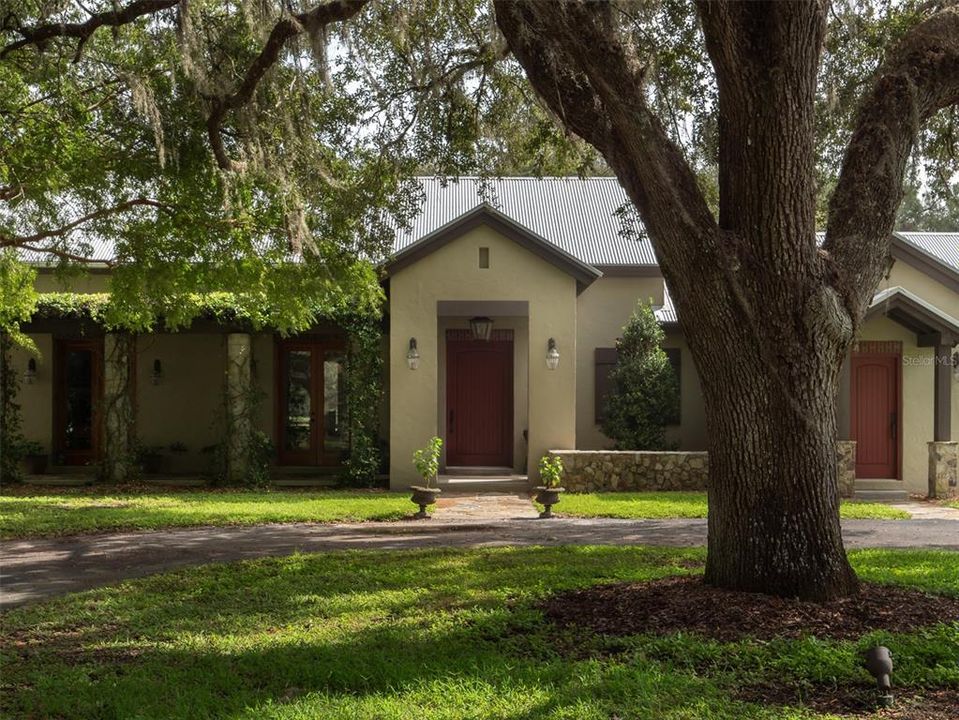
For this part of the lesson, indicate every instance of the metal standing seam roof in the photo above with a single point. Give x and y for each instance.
(942, 246)
(580, 216)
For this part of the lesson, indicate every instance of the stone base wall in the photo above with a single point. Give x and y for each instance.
(943, 468)
(625, 471)
(606, 470)
(846, 466)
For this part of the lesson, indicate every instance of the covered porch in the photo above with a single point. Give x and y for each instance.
(897, 400)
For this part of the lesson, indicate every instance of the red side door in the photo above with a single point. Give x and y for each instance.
(479, 400)
(876, 414)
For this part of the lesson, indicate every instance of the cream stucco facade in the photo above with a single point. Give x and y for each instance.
(452, 273)
(536, 293)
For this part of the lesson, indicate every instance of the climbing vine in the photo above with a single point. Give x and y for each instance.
(11, 437)
(364, 371)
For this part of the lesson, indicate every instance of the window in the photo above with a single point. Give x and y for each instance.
(605, 360)
(675, 356)
(484, 258)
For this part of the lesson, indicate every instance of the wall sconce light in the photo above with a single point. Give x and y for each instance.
(31, 374)
(157, 375)
(481, 327)
(552, 355)
(413, 355)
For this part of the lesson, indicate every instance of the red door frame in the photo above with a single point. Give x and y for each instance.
(500, 343)
(318, 347)
(61, 347)
(872, 350)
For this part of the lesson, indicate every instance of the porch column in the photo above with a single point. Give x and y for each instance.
(942, 404)
(119, 416)
(238, 391)
(943, 452)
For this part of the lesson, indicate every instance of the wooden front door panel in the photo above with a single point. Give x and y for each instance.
(479, 401)
(876, 414)
(78, 401)
(311, 402)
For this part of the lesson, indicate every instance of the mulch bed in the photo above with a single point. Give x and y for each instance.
(856, 702)
(686, 604)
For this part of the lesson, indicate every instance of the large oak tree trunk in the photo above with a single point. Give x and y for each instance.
(767, 314)
(773, 491)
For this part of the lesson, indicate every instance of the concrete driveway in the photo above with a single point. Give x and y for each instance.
(34, 569)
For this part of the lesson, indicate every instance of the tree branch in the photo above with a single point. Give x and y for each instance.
(25, 240)
(578, 63)
(41, 34)
(290, 26)
(919, 78)
(62, 254)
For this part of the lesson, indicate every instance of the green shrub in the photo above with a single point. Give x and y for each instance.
(644, 390)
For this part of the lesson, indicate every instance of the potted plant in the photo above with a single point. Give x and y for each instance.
(427, 462)
(33, 458)
(547, 494)
(150, 459)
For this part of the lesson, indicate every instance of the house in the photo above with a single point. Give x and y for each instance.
(505, 298)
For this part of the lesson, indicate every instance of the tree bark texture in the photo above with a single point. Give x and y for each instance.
(768, 316)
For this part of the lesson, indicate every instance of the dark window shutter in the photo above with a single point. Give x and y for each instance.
(675, 356)
(605, 359)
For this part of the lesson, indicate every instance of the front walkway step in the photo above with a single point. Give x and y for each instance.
(305, 482)
(174, 480)
(878, 484)
(56, 480)
(504, 483)
(882, 496)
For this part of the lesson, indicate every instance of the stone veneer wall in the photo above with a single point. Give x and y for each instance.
(605, 470)
(846, 466)
(592, 470)
(943, 468)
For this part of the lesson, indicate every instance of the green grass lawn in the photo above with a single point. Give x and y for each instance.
(953, 503)
(431, 634)
(86, 510)
(657, 505)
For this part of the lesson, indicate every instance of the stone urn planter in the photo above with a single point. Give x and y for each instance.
(548, 496)
(427, 463)
(424, 497)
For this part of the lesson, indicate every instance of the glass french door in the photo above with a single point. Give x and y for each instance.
(78, 373)
(311, 404)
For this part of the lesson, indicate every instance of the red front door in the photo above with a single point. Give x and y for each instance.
(876, 416)
(479, 400)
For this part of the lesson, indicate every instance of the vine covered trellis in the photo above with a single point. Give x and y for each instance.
(364, 364)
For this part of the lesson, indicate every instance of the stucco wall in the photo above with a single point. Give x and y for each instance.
(90, 283)
(520, 328)
(602, 311)
(452, 272)
(916, 281)
(184, 406)
(36, 400)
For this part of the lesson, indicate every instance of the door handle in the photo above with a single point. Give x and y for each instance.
(451, 420)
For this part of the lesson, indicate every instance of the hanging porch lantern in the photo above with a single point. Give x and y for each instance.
(481, 327)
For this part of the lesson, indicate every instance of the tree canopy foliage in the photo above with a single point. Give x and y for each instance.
(210, 142)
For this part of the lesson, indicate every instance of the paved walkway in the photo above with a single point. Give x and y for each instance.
(484, 507)
(34, 569)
